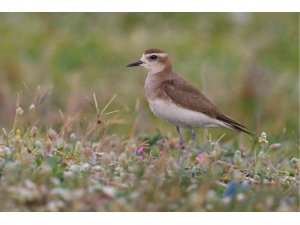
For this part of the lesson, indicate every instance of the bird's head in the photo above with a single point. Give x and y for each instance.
(154, 60)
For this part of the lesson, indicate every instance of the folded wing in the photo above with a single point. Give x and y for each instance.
(189, 97)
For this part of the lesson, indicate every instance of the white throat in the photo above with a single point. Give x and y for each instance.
(155, 69)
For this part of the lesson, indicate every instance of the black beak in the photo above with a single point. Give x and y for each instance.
(137, 63)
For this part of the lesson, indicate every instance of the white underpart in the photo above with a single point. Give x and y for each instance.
(182, 117)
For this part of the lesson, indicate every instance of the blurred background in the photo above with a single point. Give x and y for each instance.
(246, 63)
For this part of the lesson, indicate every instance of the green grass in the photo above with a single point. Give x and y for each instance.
(57, 172)
(71, 150)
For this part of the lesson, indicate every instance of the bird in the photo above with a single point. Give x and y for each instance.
(178, 102)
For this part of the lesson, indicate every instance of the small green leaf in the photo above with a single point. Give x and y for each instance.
(155, 152)
(53, 160)
(38, 162)
(58, 172)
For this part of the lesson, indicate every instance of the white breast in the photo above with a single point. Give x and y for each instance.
(182, 117)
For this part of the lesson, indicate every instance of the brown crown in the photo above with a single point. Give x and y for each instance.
(154, 50)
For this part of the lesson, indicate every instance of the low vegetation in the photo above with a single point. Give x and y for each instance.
(50, 171)
(68, 143)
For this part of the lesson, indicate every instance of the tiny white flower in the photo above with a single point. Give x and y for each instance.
(13, 165)
(261, 155)
(96, 168)
(32, 108)
(45, 169)
(95, 188)
(240, 197)
(78, 146)
(74, 168)
(68, 174)
(78, 193)
(294, 160)
(209, 206)
(6, 151)
(73, 137)
(211, 195)
(29, 184)
(55, 205)
(109, 191)
(237, 158)
(226, 200)
(64, 194)
(25, 194)
(263, 138)
(85, 167)
(112, 156)
(19, 111)
(38, 144)
(55, 180)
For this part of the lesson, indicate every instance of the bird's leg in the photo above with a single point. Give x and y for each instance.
(193, 139)
(180, 143)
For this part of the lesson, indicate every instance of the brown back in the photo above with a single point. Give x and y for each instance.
(189, 97)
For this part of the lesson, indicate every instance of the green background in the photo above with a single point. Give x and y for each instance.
(246, 63)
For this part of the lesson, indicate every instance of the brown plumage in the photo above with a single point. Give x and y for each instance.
(189, 97)
(171, 98)
(154, 50)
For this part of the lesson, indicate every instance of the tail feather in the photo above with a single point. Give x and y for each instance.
(235, 125)
(231, 121)
(239, 128)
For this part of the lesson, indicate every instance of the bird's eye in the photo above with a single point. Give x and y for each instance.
(153, 57)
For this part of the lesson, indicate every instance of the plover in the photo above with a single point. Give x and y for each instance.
(176, 101)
